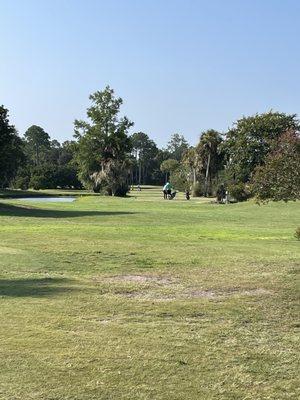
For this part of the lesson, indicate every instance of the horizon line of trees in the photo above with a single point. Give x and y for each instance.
(258, 156)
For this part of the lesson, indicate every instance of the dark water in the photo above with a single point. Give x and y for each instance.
(60, 199)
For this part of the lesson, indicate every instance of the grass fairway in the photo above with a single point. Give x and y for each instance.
(141, 298)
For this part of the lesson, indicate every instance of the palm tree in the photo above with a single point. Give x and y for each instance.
(208, 151)
(191, 160)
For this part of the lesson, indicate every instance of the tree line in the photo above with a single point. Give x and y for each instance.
(258, 156)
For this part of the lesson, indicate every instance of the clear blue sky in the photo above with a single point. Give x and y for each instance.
(179, 65)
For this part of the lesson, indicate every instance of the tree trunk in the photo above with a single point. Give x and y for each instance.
(140, 172)
(206, 174)
(145, 178)
(143, 175)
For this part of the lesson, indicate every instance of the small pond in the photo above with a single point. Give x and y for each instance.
(60, 199)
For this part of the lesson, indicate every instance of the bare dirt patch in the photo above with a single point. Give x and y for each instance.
(223, 293)
(159, 288)
(149, 295)
(255, 292)
(140, 279)
(195, 294)
(238, 291)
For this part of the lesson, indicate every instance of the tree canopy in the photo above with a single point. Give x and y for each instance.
(103, 151)
(177, 146)
(279, 177)
(250, 139)
(145, 154)
(11, 150)
(37, 144)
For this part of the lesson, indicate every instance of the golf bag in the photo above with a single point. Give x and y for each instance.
(172, 195)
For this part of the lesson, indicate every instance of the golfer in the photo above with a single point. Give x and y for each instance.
(167, 190)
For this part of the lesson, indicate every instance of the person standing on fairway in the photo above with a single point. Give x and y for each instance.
(167, 190)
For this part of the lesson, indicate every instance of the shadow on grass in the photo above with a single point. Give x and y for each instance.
(38, 287)
(9, 210)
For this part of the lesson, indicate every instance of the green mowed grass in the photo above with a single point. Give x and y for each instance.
(141, 298)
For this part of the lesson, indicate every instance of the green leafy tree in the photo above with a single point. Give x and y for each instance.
(54, 152)
(169, 166)
(180, 178)
(103, 149)
(37, 145)
(144, 152)
(157, 175)
(11, 150)
(177, 146)
(67, 153)
(279, 177)
(58, 170)
(43, 177)
(179, 173)
(250, 140)
(49, 176)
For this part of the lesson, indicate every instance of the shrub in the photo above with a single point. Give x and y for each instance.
(197, 190)
(22, 179)
(112, 180)
(43, 177)
(297, 233)
(65, 176)
(179, 179)
(122, 190)
(21, 182)
(38, 182)
(239, 191)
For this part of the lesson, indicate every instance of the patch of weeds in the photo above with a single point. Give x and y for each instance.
(144, 263)
(127, 292)
(297, 233)
(165, 315)
(294, 271)
(182, 362)
(196, 314)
